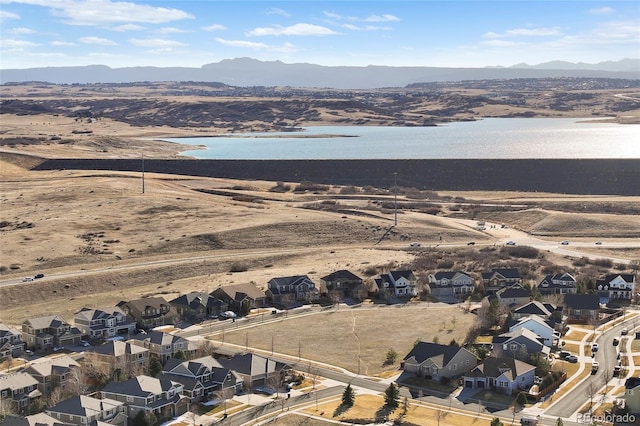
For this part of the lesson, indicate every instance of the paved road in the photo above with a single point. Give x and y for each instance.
(606, 356)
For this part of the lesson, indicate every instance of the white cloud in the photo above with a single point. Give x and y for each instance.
(214, 27)
(525, 32)
(278, 11)
(97, 40)
(170, 30)
(128, 27)
(382, 18)
(156, 43)
(293, 30)
(8, 43)
(365, 28)
(62, 43)
(285, 48)
(7, 16)
(106, 12)
(20, 31)
(601, 11)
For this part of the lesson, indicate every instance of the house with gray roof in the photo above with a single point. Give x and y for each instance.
(197, 306)
(129, 358)
(255, 370)
(11, 344)
(498, 278)
(241, 298)
(161, 396)
(504, 375)
(543, 310)
(292, 290)
(85, 410)
(39, 419)
(448, 284)
(164, 345)
(560, 283)
(45, 333)
(19, 390)
(514, 295)
(53, 372)
(542, 328)
(202, 377)
(632, 394)
(438, 362)
(582, 308)
(149, 312)
(520, 343)
(401, 284)
(103, 323)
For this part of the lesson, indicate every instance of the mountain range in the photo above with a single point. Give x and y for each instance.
(247, 72)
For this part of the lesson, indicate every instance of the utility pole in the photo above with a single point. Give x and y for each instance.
(143, 172)
(395, 198)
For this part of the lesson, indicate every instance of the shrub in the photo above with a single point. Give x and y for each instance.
(238, 267)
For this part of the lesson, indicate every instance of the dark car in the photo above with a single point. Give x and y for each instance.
(471, 243)
(572, 359)
(38, 276)
(266, 390)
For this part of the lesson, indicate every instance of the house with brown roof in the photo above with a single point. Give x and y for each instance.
(85, 410)
(241, 298)
(128, 358)
(504, 375)
(437, 362)
(343, 284)
(445, 285)
(103, 323)
(11, 344)
(149, 312)
(51, 373)
(498, 278)
(45, 333)
(254, 370)
(19, 390)
(560, 283)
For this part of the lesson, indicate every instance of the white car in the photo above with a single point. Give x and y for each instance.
(594, 347)
(27, 279)
(594, 366)
(511, 243)
(414, 244)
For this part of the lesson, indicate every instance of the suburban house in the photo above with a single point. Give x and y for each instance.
(162, 397)
(241, 298)
(103, 323)
(11, 344)
(287, 291)
(51, 373)
(438, 362)
(255, 370)
(126, 356)
(149, 312)
(343, 284)
(616, 286)
(398, 283)
(520, 343)
(514, 295)
(498, 278)
(563, 283)
(505, 375)
(45, 333)
(447, 284)
(582, 308)
(85, 410)
(197, 306)
(632, 394)
(543, 310)
(542, 328)
(164, 345)
(201, 378)
(18, 390)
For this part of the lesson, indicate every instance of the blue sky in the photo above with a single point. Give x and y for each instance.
(37, 33)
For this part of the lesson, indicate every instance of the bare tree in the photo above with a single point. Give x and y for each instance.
(313, 373)
(590, 391)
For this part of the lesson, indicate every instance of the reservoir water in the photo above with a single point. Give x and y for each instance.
(492, 138)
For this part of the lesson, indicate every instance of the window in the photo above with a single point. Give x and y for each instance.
(129, 399)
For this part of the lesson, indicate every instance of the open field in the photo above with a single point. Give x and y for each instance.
(363, 335)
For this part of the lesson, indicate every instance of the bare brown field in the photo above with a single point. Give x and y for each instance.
(363, 335)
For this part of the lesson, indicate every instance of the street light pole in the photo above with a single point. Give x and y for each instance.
(395, 198)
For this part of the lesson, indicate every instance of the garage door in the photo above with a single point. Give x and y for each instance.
(468, 383)
(481, 384)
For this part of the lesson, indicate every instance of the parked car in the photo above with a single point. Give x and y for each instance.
(572, 359)
(266, 390)
(84, 343)
(624, 331)
(595, 365)
(616, 341)
(594, 347)
(29, 352)
(38, 276)
(616, 370)
(564, 354)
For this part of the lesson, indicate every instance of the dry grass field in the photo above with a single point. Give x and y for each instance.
(363, 335)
